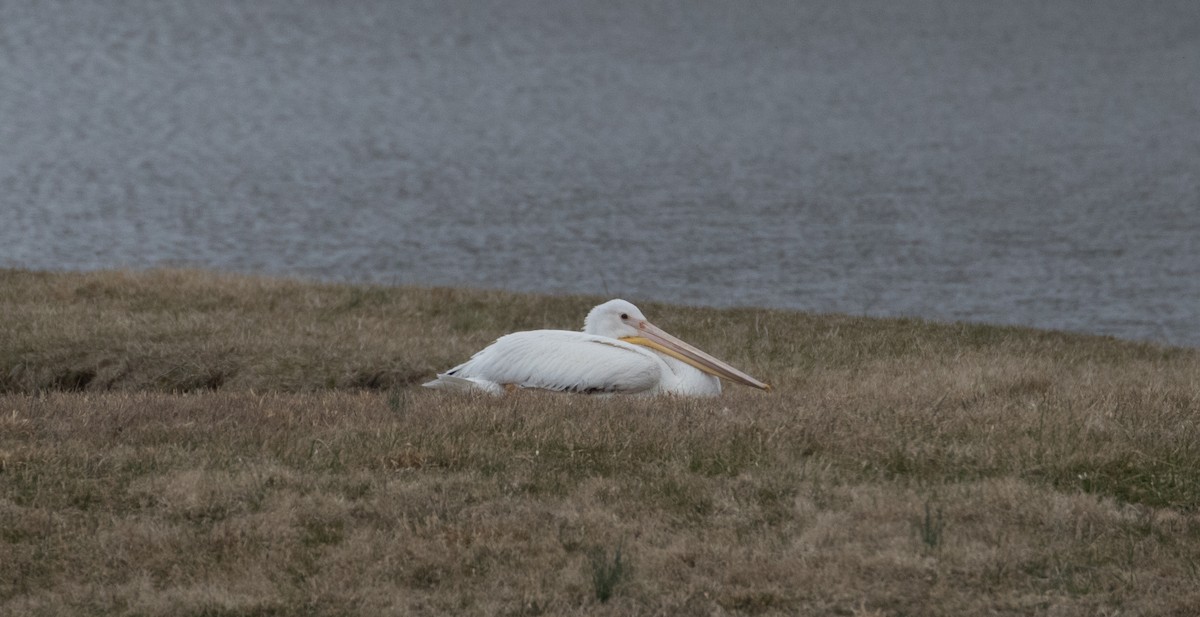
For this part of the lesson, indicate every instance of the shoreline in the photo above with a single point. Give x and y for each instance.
(599, 297)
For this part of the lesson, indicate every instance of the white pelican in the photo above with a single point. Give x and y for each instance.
(617, 352)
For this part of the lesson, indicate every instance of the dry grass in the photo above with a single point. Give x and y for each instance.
(180, 443)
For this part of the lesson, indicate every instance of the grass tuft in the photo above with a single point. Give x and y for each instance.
(607, 573)
(933, 526)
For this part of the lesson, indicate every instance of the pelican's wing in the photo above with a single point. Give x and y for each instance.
(556, 360)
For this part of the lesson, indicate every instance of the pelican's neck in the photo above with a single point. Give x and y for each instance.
(688, 379)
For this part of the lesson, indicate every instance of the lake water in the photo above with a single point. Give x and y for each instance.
(1021, 162)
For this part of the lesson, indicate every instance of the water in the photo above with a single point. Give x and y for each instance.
(1021, 162)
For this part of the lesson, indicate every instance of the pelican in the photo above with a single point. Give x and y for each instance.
(619, 351)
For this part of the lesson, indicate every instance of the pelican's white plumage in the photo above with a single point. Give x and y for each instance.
(618, 352)
(561, 360)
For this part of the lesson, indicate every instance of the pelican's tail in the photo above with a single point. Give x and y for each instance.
(454, 383)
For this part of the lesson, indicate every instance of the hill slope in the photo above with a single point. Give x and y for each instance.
(178, 442)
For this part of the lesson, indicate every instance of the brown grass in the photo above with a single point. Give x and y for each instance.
(182, 443)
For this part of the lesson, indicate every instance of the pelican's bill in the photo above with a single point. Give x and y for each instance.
(656, 338)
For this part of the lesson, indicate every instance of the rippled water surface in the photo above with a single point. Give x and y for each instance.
(1019, 162)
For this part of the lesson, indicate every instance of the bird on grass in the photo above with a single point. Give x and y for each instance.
(618, 352)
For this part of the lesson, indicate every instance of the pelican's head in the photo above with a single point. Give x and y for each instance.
(614, 319)
(621, 320)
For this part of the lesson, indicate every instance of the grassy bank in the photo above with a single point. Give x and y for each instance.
(182, 443)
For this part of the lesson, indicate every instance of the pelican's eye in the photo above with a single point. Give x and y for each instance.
(624, 315)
